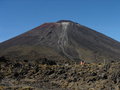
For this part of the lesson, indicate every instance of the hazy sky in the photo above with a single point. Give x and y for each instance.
(18, 16)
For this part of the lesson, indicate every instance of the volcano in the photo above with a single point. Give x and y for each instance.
(62, 40)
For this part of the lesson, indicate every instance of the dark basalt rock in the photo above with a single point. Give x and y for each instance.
(3, 59)
(48, 62)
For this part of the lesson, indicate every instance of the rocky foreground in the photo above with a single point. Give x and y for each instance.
(26, 75)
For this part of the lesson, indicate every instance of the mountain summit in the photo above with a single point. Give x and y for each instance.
(62, 40)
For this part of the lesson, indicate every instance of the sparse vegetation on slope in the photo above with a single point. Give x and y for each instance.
(39, 76)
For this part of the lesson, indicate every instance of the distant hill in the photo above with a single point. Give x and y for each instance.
(62, 41)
